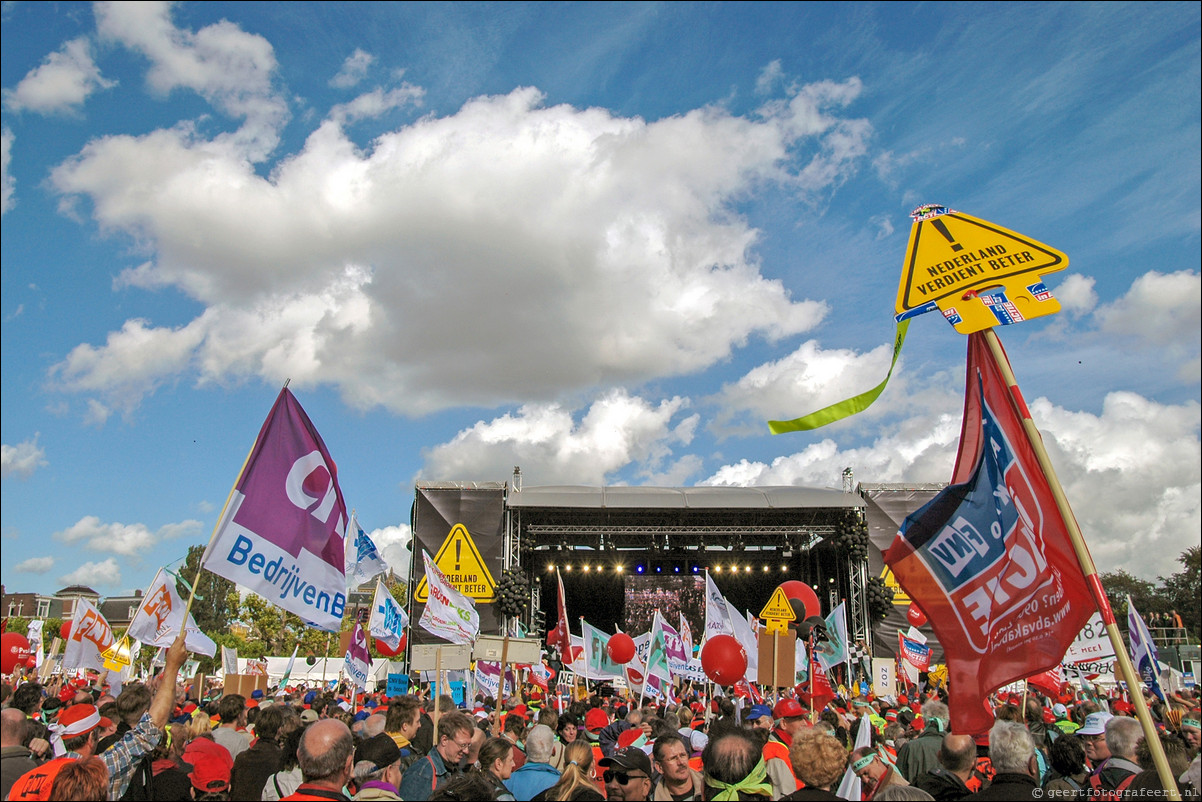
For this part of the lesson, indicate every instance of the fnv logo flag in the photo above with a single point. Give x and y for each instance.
(989, 559)
(560, 637)
(388, 619)
(91, 637)
(160, 617)
(282, 533)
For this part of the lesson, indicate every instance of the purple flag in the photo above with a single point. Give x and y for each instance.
(283, 532)
(358, 659)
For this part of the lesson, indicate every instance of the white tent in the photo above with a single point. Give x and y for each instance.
(329, 668)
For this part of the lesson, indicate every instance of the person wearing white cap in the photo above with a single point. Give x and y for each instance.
(1119, 770)
(78, 731)
(1093, 738)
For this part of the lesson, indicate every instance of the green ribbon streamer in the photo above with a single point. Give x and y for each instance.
(849, 407)
(186, 584)
(754, 783)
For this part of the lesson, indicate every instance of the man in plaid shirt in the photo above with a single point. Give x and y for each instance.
(78, 732)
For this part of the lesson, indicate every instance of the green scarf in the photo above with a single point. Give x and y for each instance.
(754, 783)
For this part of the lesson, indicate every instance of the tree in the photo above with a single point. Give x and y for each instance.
(1120, 584)
(215, 605)
(1182, 590)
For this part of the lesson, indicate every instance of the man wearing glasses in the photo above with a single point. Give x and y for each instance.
(1093, 739)
(627, 775)
(445, 760)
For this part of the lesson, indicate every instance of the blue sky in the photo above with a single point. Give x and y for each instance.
(604, 242)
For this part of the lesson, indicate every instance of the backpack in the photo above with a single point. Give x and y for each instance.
(139, 782)
(1100, 790)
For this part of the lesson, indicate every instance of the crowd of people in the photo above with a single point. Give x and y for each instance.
(165, 741)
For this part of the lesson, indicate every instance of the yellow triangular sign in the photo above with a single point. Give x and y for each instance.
(900, 597)
(460, 560)
(117, 656)
(977, 273)
(778, 608)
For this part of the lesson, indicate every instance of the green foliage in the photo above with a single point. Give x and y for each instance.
(216, 603)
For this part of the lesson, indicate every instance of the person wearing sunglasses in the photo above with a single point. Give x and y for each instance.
(627, 775)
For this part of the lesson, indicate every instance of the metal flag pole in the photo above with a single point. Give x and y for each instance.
(1085, 560)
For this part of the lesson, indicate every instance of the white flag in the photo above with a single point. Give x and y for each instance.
(388, 619)
(229, 660)
(717, 616)
(91, 635)
(288, 671)
(363, 560)
(160, 617)
(448, 614)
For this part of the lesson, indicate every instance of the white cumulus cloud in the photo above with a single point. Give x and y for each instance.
(129, 540)
(22, 459)
(95, 575)
(405, 274)
(353, 69)
(61, 83)
(617, 430)
(230, 68)
(1158, 310)
(35, 565)
(1133, 474)
(8, 184)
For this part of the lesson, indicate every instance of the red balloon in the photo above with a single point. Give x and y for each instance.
(799, 592)
(383, 650)
(64, 631)
(620, 648)
(14, 651)
(724, 660)
(915, 616)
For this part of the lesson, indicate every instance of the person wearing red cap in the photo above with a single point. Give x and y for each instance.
(211, 767)
(791, 716)
(79, 729)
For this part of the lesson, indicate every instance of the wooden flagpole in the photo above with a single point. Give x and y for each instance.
(1085, 560)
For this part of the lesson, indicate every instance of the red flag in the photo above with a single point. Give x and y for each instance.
(560, 637)
(1047, 682)
(990, 559)
(817, 693)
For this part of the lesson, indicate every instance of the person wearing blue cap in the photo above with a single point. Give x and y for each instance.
(759, 717)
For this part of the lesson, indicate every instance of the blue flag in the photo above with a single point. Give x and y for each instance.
(1143, 650)
(363, 560)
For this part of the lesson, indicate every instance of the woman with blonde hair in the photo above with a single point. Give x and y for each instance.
(576, 784)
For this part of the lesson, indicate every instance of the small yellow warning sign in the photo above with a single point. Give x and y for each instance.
(900, 597)
(977, 273)
(778, 608)
(460, 560)
(117, 656)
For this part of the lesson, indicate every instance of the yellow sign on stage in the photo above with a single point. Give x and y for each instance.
(900, 597)
(778, 608)
(460, 560)
(977, 273)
